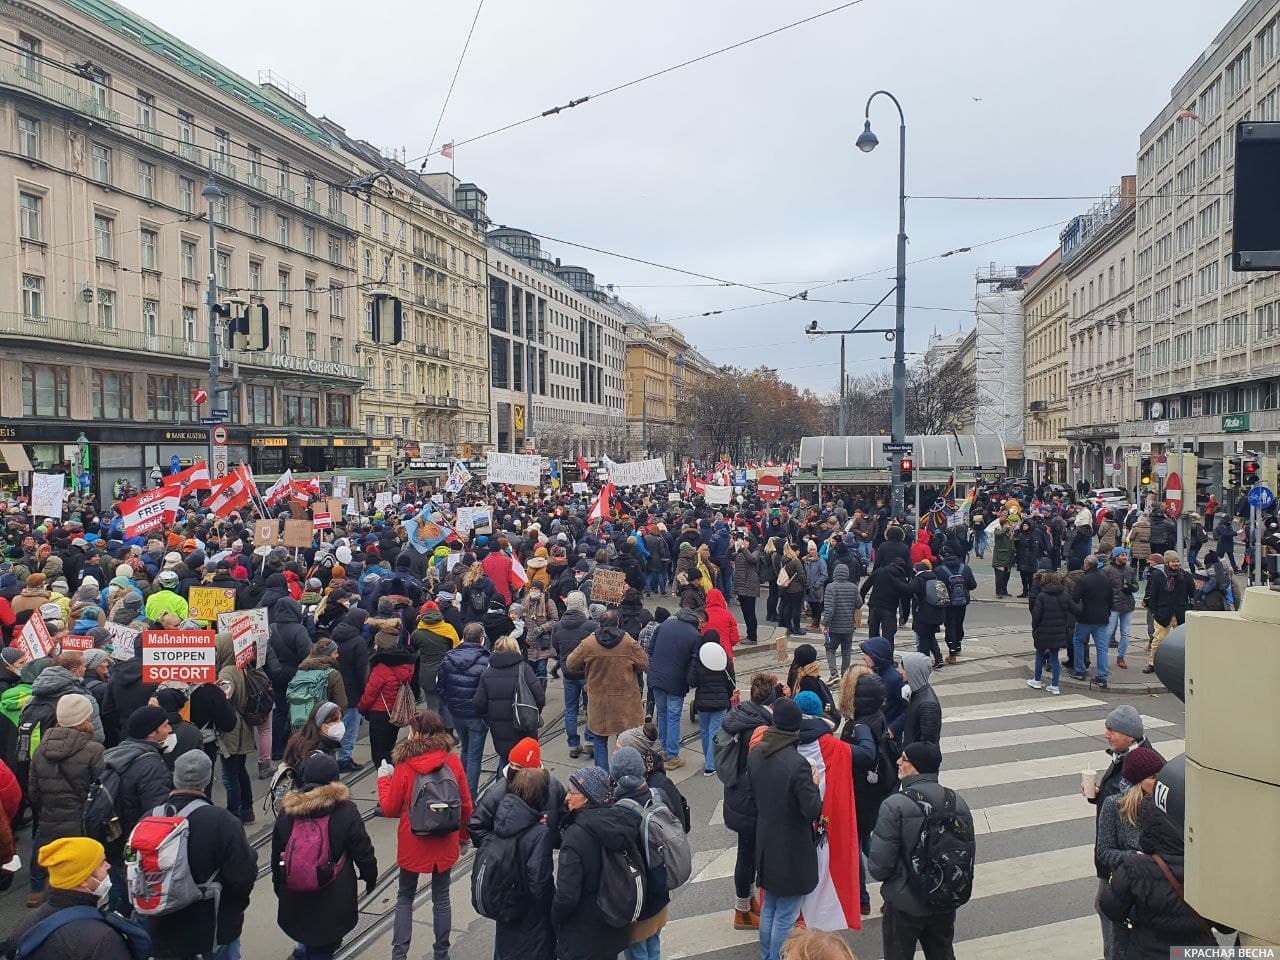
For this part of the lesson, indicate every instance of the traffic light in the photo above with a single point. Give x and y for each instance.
(249, 330)
(398, 468)
(1146, 472)
(905, 469)
(1250, 467)
(1233, 474)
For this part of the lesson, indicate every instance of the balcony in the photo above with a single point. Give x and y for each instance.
(311, 206)
(149, 135)
(337, 216)
(430, 350)
(224, 167)
(189, 151)
(287, 195)
(257, 182)
(435, 402)
(439, 306)
(12, 75)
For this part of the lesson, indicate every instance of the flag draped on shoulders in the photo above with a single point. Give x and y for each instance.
(834, 903)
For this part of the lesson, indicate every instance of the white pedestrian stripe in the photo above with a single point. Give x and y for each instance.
(1047, 733)
(994, 711)
(1031, 813)
(997, 877)
(1068, 940)
(967, 687)
(717, 815)
(1016, 771)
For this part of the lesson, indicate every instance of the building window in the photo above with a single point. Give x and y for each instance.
(368, 215)
(255, 160)
(368, 263)
(150, 244)
(282, 177)
(102, 242)
(1207, 340)
(335, 298)
(146, 111)
(221, 210)
(309, 188)
(187, 258)
(150, 317)
(388, 377)
(186, 127)
(1237, 74)
(309, 299)
(388, 426)
(260, 404)
(32, 297)
(1182, 347)
(255, 278)
(335, 349)
(309, 240)
(186, 194)
(45, 390)
(311, 345)
(405, 379)
(101, 163)
(112, 395)
(29, 219)
(1266, 321)
(29, 137)
(1267, 43)
(189, 324)
(335, 249)
(255, 219)
(282, 230)
(337, 410)
(107, 309)
(223, 271)
(221, 142)
(285, 336)
(282, 279)
(28, 56)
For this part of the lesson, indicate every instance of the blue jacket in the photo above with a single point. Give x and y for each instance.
(675, 644)
(718, 543)
(459, 678)
(880, 651)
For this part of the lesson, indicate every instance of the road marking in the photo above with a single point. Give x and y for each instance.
(965, 688)
(1031, 813)
(1048, 704)
(1044, 734)
(1041, 768)
(1067, 940)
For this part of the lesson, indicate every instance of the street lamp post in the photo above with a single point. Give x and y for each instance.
(212, 194)
(867, 142)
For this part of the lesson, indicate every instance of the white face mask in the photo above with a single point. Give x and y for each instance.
(906, 691)
(169, 742)
(335, 730)
(103, 891)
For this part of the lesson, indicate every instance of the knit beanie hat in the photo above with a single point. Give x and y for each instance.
(50, 611)
(924, 756)
(627, 769)
(1125, 719)
(594, 784)
(73, 709)
(145, 721)
(12, 655)
(86, 592)
(810, 703)
(1119, 551)
(806, 654)
(71, 861)
(192, 771)
(786, 715)
(576, 600)
(1140, 763)
(319, 769)
(92, 658)
(526, 755)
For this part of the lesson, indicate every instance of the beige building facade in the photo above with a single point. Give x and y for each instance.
(662, 368)
(1045, 304)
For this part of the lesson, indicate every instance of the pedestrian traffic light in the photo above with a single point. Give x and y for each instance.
(905, 469)
(1250, 468)
(1233, 473)
(1146, 471)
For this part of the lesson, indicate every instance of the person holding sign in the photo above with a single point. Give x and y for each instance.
(235, 744)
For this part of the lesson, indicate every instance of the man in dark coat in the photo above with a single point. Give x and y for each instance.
(888, 588)
(675, 644)
(1092, 600)
(788, 803)
(739, 802)
(1170, 591)
(877, 654)
(216, 843)
(1123, 731)
(923, 718)
(841, 603)
(125, 693)
(895, 547)
(569, 631)
(289, 645)
(353, 666)
(926, 617)
(456, 685)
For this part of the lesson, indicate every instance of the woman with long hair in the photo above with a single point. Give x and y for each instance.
(1117, 837)
(475, 594)
(791, 595)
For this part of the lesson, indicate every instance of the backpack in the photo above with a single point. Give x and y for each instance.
(36, 717)
(13, 700)
(725, 751)
(936, 593)
(134, 934)
(622, 886)
(99, 819)
(259, 699)
(436, 805)
(307, 860)
(402, 709)
(784, 578)
(956, 586)
(940, 868)
(283, 780)
(476, 601)
(307, 689)
(159, 871)
(498, 887)
(663, 842)
(524, 709)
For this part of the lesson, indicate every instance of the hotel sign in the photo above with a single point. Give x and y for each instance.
(280, 361)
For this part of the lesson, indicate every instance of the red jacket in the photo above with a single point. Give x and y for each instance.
(412, 757)
(719, 618)
(390, 669)
(295, 587)
(498, 567)
(10, 792)
(920, 550)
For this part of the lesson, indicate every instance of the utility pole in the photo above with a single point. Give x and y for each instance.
(843, 386)
(528, 384)
(644, 421)
(212, 194)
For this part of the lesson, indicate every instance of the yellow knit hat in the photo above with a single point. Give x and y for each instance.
(71, 860)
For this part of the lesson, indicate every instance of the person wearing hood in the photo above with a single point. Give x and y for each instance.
(712, 679)
(739, 802)
(288, 646)
(878, 655)
(921, 549)
(592, 825)
(166, 599)
(540, 616)
(719, 619)
(392, 667)
(632, 792)
(477, 594)
(889, 589)
(840, 617)
(570, 630)
(525, 755)
(894, 547)
(456, 684)
(519, 816)
(353, 667)
(922, 720)
(431, 640)
(1051, 628)
(788, 803)
(319, 919)
(127, 610)
(427, 749)
(874, 774)
(65, 674)
(235, 745)
(926, 617)
(610, 662)
(1028, 547)
(67, 761)
(675, 645)
(496, 694)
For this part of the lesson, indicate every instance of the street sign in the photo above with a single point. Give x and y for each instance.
(219, 462)
(199, 396)
(1162, 466)
(220, 435)
(210, 421)
(1146, 446)
(1173, 495)
(1261, 497)
(769, 487)
(175, 464)
(222, 412)
(906, 447)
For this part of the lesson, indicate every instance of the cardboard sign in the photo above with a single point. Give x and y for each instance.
(716, 495)
(266, 533)
(341, 486)
(35, 637)
(299, 509)
(608, 586)
(638, 473)
(297, 533)
(186, 656)
(75, 642)
(335, 508)
(205, 603)
(249, 634)
(322, 521)
(124, 640)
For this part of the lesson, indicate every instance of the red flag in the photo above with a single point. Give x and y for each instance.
(446, 150)
(582, 466)
(601, 509)
(232, 495)
(279, 490)
(195, 477)
(150, 510)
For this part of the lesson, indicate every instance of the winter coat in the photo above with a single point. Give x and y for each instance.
(570, 630)
(923, 717)
(675, 643)
(496, 695)
(353, 653)
(797, 583)
(238, 741)
(459, 676)
(746, 572)
(324, 916)
(1164, 534)
(739, 801)
(897, 832)
(531, 936)
(484, 815)
(1108, 536)
(1092, 598)
(887, 586)
(470, 598)
(1051, 618)
(1002, 550)
(421, 755)
(1028, 547)
(815, 576)
(843, 599)
(144, 780)
(721, 620)
(62, 768)
(1169, 594)
(498, 567)
(56, 682)
(215, 842)
(92, 939)
(610, 660)
(787, 805)
(1115, 836)
(391, 669)
(632, 616)
(290, 643)
(1112, 782)
(1140, 538)
(711, 688)
(1124, 584)
(581, 931)
(864, 731)
(924, 612)
(431, 641)
(881, 652)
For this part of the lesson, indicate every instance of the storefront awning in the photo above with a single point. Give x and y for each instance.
(15, 457)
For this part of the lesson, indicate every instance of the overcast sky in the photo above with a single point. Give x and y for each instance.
(743, 167)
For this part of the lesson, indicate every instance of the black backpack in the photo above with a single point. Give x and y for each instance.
(940, 868)
(259, 698)
(622, 885)
(499, 890)
(956, 586)
(37, 717)
(476, 600)
(99, 819)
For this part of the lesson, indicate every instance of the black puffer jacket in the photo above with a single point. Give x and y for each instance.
(480, 826)
(581, 931)
(712, 689)
(739, 802)
(1051, 619)
(496, 693)
(353, 652)
(924, 612)
(570, 630)
(868, 711)
(531, 937)
(459, 678)
(290, 642)
(144, 780)
(125, 693)
(64, 765)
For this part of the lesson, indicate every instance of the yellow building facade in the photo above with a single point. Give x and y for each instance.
(1045, 303)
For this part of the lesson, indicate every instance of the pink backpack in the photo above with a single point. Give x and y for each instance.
(308, 862)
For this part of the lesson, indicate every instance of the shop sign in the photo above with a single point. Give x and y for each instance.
(269, 441)
(313, 442)
(350, 442)
(280, 361)
(1235, 423)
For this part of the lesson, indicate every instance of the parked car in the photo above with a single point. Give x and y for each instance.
(1113, 498)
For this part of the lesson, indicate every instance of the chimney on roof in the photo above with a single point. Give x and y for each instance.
(1128, 190)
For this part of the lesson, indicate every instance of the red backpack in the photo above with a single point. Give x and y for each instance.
(159, 872)
(307, 860)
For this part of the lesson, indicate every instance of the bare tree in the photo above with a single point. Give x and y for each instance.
(940, 396)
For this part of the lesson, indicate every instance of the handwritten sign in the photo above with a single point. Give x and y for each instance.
(297, 533)
(513, 468)
(46, 494)
(186, 656)
(75, 642)
(638, 473)
(35, 637)
(249, 634)
(266, 533)
(124, 640)
(205, 603)
(608, 586)
(322, 521)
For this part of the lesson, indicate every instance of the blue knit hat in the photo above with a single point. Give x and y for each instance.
(594, 784)
(1119, 550)
(810, 703)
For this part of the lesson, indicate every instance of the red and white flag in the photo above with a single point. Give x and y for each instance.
(195, 477)
(306, 489)
(833, 903)
(446, 150)
(279, 490)
(601, 509)
(518, 571)
(233, 494)
(582, 466)
(150, 510)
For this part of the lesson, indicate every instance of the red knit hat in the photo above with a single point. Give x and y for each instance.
(526, 755)
(429, 605)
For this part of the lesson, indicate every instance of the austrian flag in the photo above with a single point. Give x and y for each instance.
(279, 490)
(230, 493)
(195, 477)
(150, 510)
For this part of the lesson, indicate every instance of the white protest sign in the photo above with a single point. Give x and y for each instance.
(383, 500)
(673, 498)
(579, 487)
(123, 640)
(351, 506)
(35, 637)
(46, 494)
(513, 468)
(249, 631)
(479, 517)
(340, 487)
(638, 473)
(717, 496)
(184, 655)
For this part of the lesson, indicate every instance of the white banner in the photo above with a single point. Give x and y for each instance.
(340, 487)
(579, 487)
(513, 468)
(638, 474)
(46, 494)
(473, 518)
(716, 495)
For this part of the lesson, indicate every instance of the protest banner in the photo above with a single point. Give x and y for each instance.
(383, 500)
(74, 642)
(35, 637)
(638, 473)
(608, 586)
(716, 495)
(46, 494)
(249, 634)
(124, 640)
(580, 487)
(186, 656)
(513, 468)
(266, 533)
(150, 510)
(205, 603)
(673, 498)
(322, 521)
(297, 533)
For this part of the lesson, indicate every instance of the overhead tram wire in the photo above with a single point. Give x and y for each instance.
(553, 111)
(449, 94)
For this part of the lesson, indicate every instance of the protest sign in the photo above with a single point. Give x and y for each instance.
(580, 487)
(35, 637)
(607, 586)
(123, 640)
(351, 506)
(513, 468)
(186, 656)
(335, 508)
(249, 634)
(383, 499)
(478, 518)
(46, 494)
(322, 521)
(638, 473)
(716, 495)
(297, 533)
(150, 510)
(74, 642)
(673, 498)
(341, 486)
(205, 603)
(266, 533)
(299, 509)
